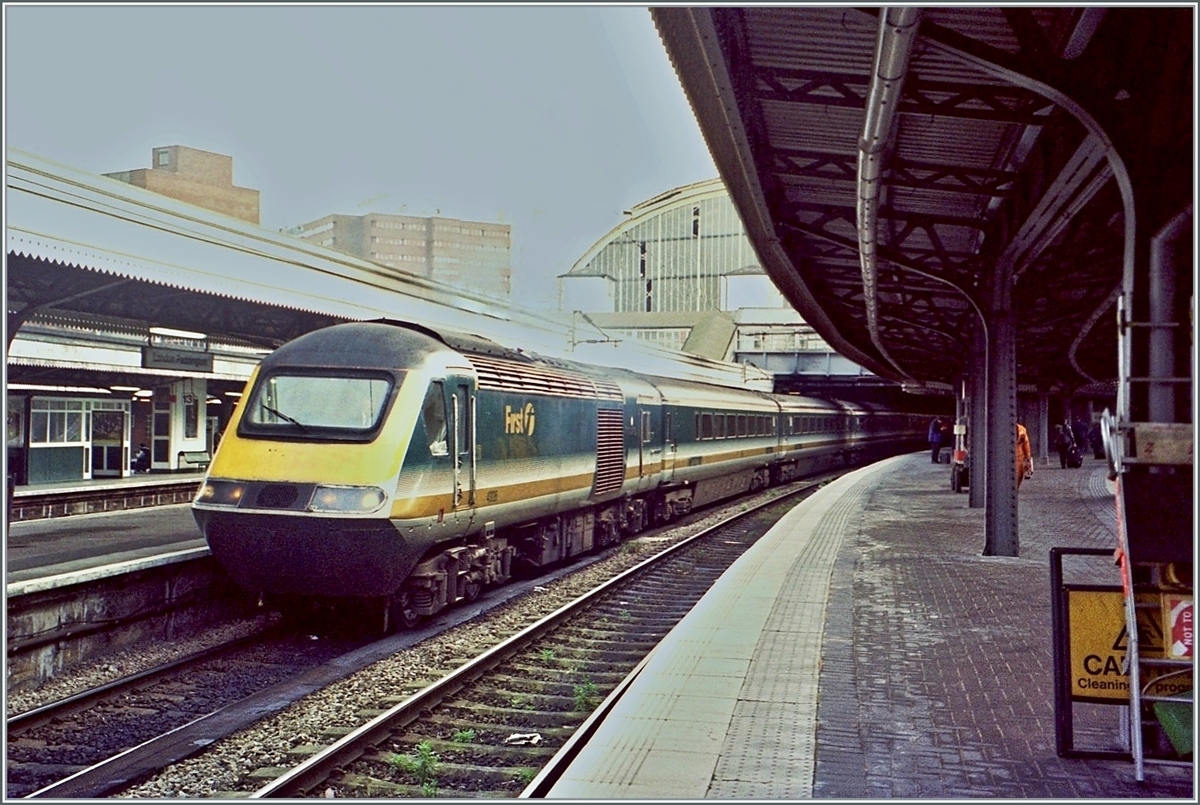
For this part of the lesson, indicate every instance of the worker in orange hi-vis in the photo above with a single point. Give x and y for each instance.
(1024, 455)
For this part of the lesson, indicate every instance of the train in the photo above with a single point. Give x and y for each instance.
(406, 468)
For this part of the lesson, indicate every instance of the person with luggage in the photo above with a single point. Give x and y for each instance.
(935, 439)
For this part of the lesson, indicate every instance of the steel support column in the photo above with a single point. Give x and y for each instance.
(977, 425)
(1043, 427)
(1001, 537)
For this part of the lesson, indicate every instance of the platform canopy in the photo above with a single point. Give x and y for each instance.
(908, 173)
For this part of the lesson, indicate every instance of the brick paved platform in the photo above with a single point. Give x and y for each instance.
(866, 649)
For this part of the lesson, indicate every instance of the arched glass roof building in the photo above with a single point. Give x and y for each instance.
(669, 256)
(679, 271)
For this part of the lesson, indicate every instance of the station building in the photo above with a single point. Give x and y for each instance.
(105, 392)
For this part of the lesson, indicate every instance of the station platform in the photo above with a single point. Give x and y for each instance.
(66, 498)
(865, 648)
(65, 533)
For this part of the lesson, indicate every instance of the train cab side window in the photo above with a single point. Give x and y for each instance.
(433, 411)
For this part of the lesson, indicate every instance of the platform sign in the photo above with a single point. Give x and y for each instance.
(166, 358)
(1099, 644)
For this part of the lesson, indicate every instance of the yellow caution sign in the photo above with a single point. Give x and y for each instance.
(1099, 646)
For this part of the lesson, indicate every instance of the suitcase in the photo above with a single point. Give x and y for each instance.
(1074, 457)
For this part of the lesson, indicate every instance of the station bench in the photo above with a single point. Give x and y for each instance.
(198, 459)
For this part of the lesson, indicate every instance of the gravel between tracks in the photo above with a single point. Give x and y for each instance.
(126, 663)
(224, 767)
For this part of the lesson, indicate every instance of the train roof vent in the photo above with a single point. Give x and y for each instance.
(533, 379)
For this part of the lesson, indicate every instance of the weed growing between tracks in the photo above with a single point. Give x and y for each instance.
(422, 763)
(587, 696)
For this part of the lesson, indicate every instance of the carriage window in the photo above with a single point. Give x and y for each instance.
(706, 428)
(718, 426)
(433, 412)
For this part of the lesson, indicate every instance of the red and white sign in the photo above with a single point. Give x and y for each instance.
(1181, 626)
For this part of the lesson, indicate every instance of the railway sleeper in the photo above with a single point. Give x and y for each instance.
(375, 787)
(587, 640)
(456, 776)
(475, 750)
(535, 700)
(540, 674)
(492, 733)
(514, 719)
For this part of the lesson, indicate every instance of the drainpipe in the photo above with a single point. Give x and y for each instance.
(897, 32)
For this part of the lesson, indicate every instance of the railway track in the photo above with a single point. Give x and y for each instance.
(489, 727)
(104, 742)
(100, 741)
(84, 745)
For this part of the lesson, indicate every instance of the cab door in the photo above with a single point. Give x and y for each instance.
(462, 439)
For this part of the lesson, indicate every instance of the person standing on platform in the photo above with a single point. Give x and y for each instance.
(1081, 434)
(1062, 443)
(1097, 441)
(1024, 455)
(141, 461)
(935, 439)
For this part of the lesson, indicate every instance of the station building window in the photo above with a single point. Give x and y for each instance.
(56, 422)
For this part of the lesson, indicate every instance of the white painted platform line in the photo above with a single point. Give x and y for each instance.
(707, 715)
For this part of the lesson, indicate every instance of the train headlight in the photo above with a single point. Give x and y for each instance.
(359, 499)
(221, 493)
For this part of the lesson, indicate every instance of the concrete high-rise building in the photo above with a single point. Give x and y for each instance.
(197, 177)
(465, 254)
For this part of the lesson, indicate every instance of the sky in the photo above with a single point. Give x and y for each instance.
(553, 119)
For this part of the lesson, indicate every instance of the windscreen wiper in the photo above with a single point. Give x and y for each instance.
(284, 416)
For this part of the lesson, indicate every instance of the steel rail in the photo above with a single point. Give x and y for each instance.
(320, 767)
(36, 717)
